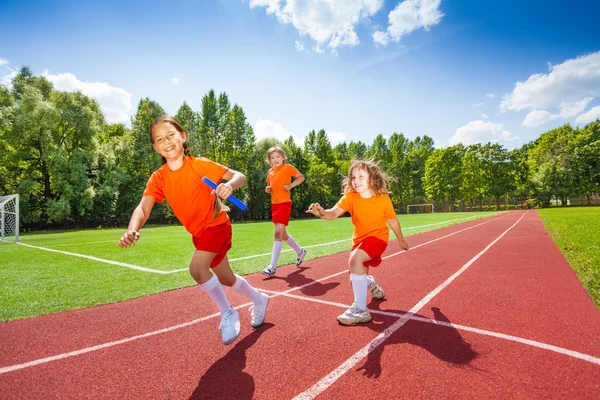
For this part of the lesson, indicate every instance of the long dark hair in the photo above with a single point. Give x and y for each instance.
(176, 125)
(219, 206)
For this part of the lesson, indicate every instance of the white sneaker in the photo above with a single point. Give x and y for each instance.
(376, 290)
(258, 311)
(269, 270)
(300, 257)
(230, 326)
(353, 316)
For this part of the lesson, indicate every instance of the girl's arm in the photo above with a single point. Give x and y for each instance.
(330, 214)
(395, 225)
(138, 219)
(234, 180)
(298, 179)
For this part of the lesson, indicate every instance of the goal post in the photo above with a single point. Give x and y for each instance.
(9, 217)
(419, 208)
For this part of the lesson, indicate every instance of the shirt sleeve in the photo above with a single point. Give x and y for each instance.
(154, 187)
(388, 210)
(212, 170)
(293, 171)
(268, 179)
(345, 203)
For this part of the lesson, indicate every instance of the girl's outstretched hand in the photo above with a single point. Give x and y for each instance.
(403, 244)
(316, 209)
(129, 238)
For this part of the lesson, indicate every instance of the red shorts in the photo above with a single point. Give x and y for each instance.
(216, 239)
(281, 213)
(374, 247)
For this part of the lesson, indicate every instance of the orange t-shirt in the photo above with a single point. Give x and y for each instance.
(277, 178)
(369, 216)
(189, 197)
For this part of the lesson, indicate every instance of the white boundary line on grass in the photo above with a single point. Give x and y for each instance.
(16, 367)
(163, 272)
(337, 373)
(121, 264)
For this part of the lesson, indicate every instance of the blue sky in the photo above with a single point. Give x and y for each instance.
(459, 71)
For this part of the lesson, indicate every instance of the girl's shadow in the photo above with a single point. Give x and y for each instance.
(297, 279)
(226, 379)
(444, 342)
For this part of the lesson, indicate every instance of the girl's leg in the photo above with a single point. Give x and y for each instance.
(292, 243)
(210, 284)
(239, 284)
(358, 275)
(277, 236)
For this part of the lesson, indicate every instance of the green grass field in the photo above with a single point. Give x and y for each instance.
(36, 281)
(575, 232)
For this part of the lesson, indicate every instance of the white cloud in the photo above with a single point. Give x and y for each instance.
(114, 102)
(175, 81)
(484, 115)
(330, 23)
(6, 80)
(336, 137)
(477, 104)
(568, 88)
(265, 128)
(490, 95)
(589, 116)
(299, 46)
(570, 109)
(3, 61)
(407, 17)
(538, 117)
(481, 132)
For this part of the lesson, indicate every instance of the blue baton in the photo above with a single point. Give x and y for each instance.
(231, 198)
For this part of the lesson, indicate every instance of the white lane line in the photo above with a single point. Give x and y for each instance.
(110, 344)
(334, 375)
(534, 343)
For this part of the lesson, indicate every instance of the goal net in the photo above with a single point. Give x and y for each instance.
(419, 208)
(9, 218)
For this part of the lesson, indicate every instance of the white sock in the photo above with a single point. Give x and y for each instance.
(242, 286)
(215, 291)
(276, 251)
(290, 240)
(359, 286)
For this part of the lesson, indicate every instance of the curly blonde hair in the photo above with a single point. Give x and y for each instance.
(378, 180)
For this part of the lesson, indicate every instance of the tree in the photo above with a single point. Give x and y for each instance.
(190, 121)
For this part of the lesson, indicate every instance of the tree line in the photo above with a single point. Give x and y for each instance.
(72, 169)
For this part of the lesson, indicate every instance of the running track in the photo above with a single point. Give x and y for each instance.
(483, 309)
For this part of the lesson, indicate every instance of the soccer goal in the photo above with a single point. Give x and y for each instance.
(9, 217)
(419, 208)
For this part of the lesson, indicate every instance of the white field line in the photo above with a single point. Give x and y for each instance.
(163, 272)
(334, 375)
(259, 255)
(534, 343)
(121, 264)
(16, 367)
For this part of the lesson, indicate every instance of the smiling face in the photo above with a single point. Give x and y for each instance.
(276, 159)
(359, 179)
(168, 141)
